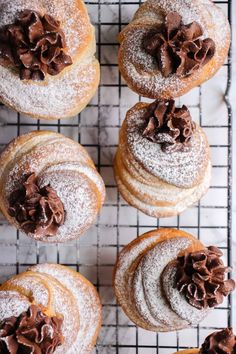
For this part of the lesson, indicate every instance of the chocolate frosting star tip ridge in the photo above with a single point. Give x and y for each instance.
(223, 342)
(32, 332)
(200, 278)
(178, 48)
(169, 126)
(35, 45)
(39, 211)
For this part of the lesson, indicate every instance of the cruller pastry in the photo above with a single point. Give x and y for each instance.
(172, 46)
(47, 64)
(167, 280)
(49, 309)
(162, 165)
(219, 342)
(49, 186)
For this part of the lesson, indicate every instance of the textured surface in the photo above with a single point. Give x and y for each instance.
(95, 253)
(139, 281)
(159, 184)
(88, 305)
(62, 292)
(182, 169)
(139, 69)
(61, 163)
(65, 94)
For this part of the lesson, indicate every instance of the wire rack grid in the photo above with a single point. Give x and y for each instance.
(97, 129)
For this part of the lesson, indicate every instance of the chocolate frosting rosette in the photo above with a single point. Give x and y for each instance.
(48, 68)
(162, 164)
(219, 342)
(39, 211)
(33, 331)
(52, 192)
(201, 278)
(178, 48)
(35, 45)
(48, 309)
(166, 280)
(169, 126)
(170, 47)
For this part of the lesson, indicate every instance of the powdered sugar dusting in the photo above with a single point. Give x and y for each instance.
(43, 291)
(74, 22)
(34, 287)
(141, 69)
(32, 156)
(182, 169)
(12, 304)
(67, 167)
(178, 301)
(63, 304)
(89, 308)
(123, 277)
(179, 200)
(138, 282)
(155, 182)
(147, 281)
(76, 187)
(61, 292)
(54, 99)
(58, 96)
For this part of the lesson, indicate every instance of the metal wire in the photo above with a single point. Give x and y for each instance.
(98, 268)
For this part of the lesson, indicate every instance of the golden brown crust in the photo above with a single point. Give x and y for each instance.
(67, 93)
(27, 284)
(92, 300)
(144, 78)
(66, 166)
(130, 257)
(84, 95)
(45, 285)
(157, 183)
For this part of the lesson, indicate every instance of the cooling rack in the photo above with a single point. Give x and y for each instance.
(96, 128)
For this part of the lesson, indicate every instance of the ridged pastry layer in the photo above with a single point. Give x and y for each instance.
(155, 182)
(140, 70)
(67, 93)
(162, 200)
(66, 166)
(87, 300)
(61, 292)
(138, 281)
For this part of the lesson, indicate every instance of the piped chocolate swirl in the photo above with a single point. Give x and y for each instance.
(223, 342)
(35, 45)
(39, 211)
(169, 126)
(32, 332)
(200, 278)
(179, 49)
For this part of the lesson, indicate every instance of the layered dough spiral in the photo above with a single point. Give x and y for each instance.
(67, 93)
(142, 282)
(62, 164)
(157, 183)
(140, 69)
(61, 292)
